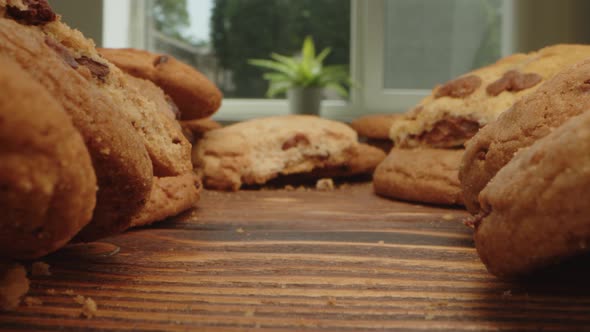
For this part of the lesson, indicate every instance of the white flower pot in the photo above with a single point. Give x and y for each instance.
(305, 100)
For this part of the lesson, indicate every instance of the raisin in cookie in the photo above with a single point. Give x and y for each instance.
(192, 92)
(375, 129)
(420, 175)
(120, 160)
(534, 212)
(47, 183)
(535, 116)
(456, 110)
(256, 151)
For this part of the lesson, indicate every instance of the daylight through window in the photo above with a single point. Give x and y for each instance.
(219, 36)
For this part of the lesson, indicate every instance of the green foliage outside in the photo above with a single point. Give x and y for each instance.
(171, 17)
(245, 29)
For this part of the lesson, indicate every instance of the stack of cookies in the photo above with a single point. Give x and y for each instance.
(526, 176)
(192, 96)
(525, 170)
(86, 149)
(429, 139)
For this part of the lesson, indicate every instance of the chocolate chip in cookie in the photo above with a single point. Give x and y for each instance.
(513, 81)
(459, 88)
(37, 12)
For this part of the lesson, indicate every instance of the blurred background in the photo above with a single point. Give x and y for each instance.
(396, 50)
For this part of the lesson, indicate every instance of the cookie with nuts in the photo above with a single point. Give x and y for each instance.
(257, 151)
(534, 212)
(420, 175)
(566, 95)
(193, 93)
(456, 110)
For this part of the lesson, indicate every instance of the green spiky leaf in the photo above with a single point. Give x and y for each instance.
(305, 71)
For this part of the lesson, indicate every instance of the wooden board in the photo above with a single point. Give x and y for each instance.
(278, 260)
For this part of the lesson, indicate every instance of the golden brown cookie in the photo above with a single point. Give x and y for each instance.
(152, 92)
(256, 151)
(195, 129)
(120, 160)
(163, 139)
(420, 175)
(456, 110)
(170, 196)
(534, 212)
(374, 129)
(47, 183)
(364, 160)
(533, 117)
(375, 126)
(193, 93)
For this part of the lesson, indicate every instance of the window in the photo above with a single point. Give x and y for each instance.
(417, 44)
(397, 49)
(219, 36)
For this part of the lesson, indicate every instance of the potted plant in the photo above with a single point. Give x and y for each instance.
(303, 77)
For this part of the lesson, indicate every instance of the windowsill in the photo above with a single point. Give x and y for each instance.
(245, 109)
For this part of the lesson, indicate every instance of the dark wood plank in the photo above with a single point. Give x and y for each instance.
(299, 260)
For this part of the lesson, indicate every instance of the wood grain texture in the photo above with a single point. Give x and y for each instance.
(299, 261)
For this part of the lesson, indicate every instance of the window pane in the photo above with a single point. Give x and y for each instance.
(430, 41)
(219, 36)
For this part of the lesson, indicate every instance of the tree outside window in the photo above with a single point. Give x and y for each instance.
(244, 29)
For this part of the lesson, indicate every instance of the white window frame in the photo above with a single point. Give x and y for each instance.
(366, 62)
(376, 97)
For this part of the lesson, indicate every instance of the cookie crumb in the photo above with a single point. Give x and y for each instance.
(32, 301)
(448, 217)
(249, 313)
(240, 230)
(89, 307)
(429, 316)
(51, 291)
(14, 284)
(40, 269)
(289, 188)
(325, 185)
(69, 292)
(381, 242)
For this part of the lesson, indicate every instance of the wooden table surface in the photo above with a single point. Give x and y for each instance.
(300, 261)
